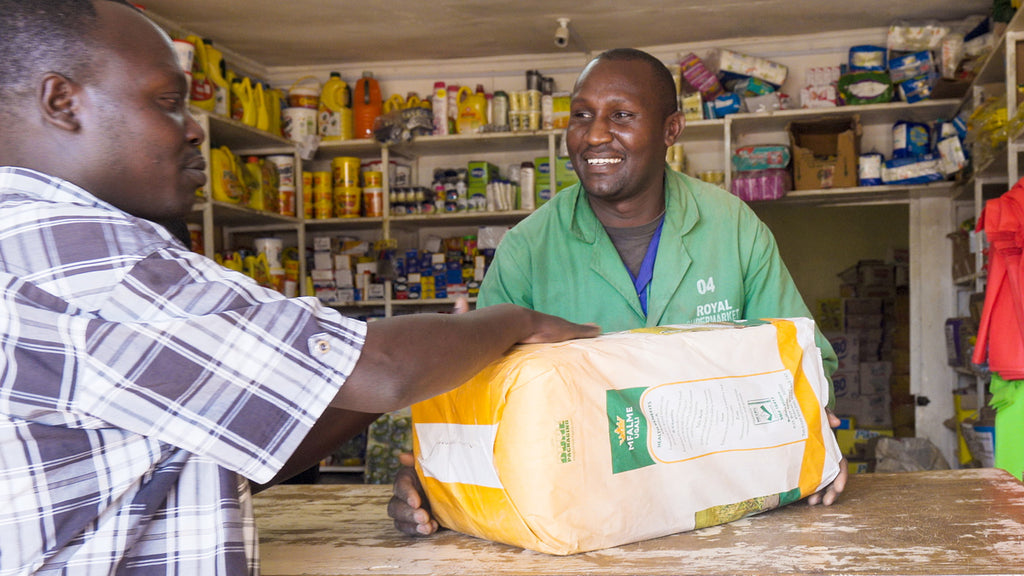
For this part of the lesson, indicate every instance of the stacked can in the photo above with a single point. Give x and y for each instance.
(285, 164)
(532, 103)
(323, 199)
(373, 194)
(347, 193)
(307, 195)
(676, 157)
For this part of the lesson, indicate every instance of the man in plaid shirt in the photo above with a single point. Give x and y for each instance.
(142, 386)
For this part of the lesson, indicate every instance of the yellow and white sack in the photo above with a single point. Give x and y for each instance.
(582, 445)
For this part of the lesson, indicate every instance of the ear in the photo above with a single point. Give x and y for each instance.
(59, 102)
(674, 127)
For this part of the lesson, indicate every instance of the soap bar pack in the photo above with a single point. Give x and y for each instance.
(582, 445)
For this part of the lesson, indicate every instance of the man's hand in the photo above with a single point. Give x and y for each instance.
(409, 507)
(831, 492)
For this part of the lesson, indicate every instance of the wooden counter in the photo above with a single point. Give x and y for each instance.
(927, 523)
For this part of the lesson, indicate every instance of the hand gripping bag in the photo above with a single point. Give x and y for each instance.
(582, 445)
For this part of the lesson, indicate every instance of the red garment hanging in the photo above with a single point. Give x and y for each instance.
(1001, 332)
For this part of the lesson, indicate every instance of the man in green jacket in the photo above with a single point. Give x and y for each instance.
(633, 244)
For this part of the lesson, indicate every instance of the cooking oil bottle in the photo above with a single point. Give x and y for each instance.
(334, 121)
(243, 106)
(201, 92)
(215, 74)
(472, 110)
(227, 183)
(366, 105)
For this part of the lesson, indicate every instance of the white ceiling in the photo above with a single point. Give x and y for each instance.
(320, 32)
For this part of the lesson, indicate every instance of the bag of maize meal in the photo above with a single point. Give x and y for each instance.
(587, 444)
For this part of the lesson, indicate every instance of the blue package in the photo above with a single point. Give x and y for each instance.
(726, 104)
(961, 127)
(910, 139)
(912, 170)
(867, 58)
(911, 65)
(917, 88)
(869, 169)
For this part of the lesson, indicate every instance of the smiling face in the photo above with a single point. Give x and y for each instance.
(619, 131)
(133, 123)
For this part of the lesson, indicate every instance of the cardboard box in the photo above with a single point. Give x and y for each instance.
(480, 173)
(847, 349)
(825, 152)
(846, 384)
(964, 263)
(853, 443)
(875, 378)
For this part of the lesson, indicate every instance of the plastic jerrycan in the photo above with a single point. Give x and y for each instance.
(215, 74)
(366, 105)
(472, 111)
(395, 102)
(274, 97)
(243, 107)
(334, 120)
(259, 100)
(201, 94)
(226, 184)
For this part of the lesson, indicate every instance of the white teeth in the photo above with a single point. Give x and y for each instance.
(602, 161)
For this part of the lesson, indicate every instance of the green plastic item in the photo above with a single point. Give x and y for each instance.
(865, 87)
(1008, 401)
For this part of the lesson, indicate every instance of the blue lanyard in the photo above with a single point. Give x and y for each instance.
(642, 281)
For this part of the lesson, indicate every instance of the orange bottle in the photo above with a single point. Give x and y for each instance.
(366, 105)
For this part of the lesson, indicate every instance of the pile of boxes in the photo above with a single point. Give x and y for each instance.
(344, 271)
(869, 329)
(454, 271)
(564, 176)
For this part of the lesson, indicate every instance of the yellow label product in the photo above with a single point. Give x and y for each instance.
(243, 103)
(347, 201)
(220, 85)
(346, 171)
(227, 182)
(582, 445)
(201, 90)
(322, 195)
(307, 195)
(335, 116)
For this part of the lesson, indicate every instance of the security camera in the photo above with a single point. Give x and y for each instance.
(562, 33)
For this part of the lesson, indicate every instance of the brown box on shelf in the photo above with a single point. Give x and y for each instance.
(963, 259)
(825, 152)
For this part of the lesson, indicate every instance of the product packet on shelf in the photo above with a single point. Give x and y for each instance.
(582, 445)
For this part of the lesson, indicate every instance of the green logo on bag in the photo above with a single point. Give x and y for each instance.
(627, 430)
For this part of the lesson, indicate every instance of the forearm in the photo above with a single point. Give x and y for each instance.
(410, 358)
(333, 428)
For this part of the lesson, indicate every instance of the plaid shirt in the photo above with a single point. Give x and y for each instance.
(140, 385)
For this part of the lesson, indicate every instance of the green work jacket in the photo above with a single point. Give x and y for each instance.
(717, 261)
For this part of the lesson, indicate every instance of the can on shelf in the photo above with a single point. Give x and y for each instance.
(323, 198)
(346, 171)
(347, 201)
(373, 202)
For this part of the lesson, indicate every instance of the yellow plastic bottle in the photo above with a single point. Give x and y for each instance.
(243, 107)
(472, 111)
(224, 173)
(259, 101)
(253, 176)
(334, 118)
(274, 97)
(215, 74)
(395, 102)
(201, 94)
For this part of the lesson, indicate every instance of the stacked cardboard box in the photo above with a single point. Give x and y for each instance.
(564, 176)
(869, 328)
(344, 271)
